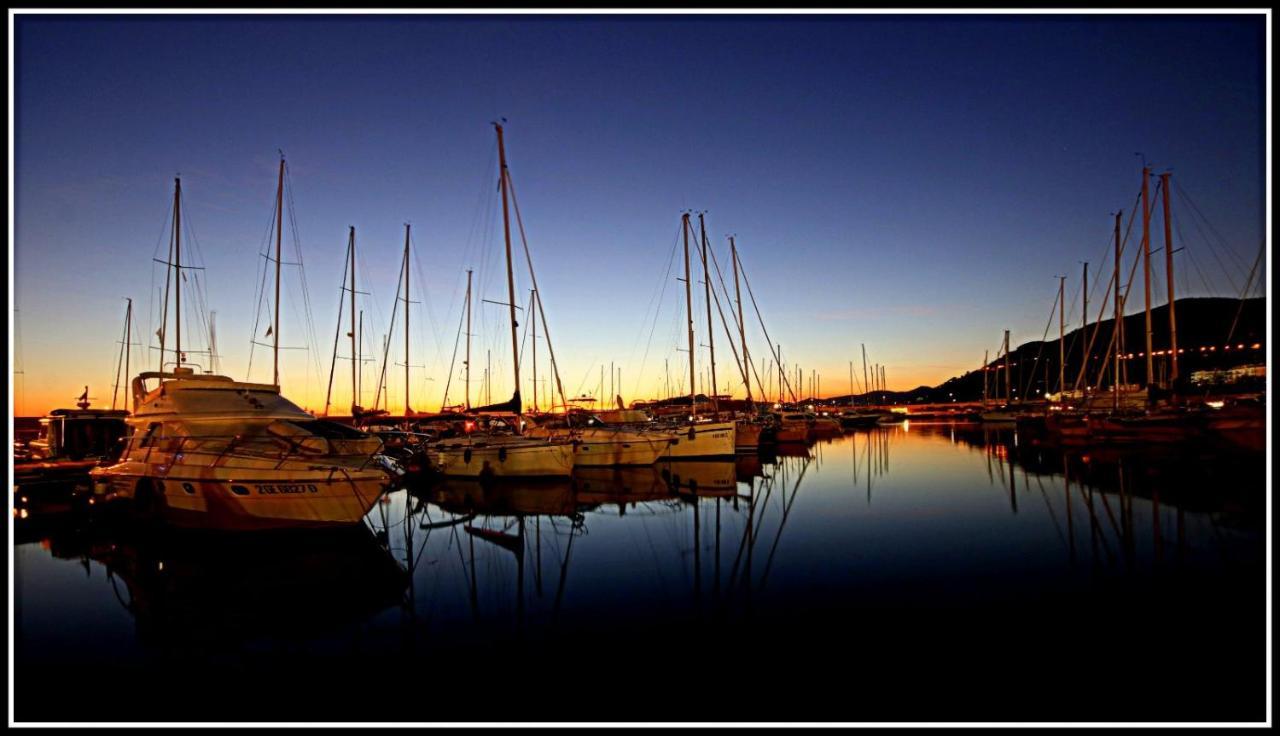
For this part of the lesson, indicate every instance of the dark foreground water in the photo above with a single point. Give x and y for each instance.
(919, 573)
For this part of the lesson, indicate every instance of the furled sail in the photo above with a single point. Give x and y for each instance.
(513, 406)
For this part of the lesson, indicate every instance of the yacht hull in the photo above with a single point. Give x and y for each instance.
(602, 450)
(244, 499)
(515, 459)
(607, 448)
(747, 436)
(701, 441)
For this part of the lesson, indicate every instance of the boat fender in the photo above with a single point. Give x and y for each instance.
(692, 434)
(466, 456)
(502, 454)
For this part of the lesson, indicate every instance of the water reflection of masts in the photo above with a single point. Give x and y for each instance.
(470, 506)
(754, 521)
(1106, 519)
(876, 455)
(1066, 490)
(518, 545)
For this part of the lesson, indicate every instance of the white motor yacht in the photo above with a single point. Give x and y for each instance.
(206, 450)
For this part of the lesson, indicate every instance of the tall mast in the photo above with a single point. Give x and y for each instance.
(466, 381)
(355, 392)
(984, 378)
(128, 337)
(164, 313)
(177, 268)
(1118, 316)
(359, 358)
(688, 301)
(1146, 264)
(1062, 335)
(124, 352)
(711, 334)
(382, 390)
(1084, 329)
(533, 304)
(213, 342)
(1118, 324)
(1168, 267)
(511, 282)
(742, 326)
(851, 383)
(337, 332)
(275, 331)
(407, 410)
(866, 387)
(1008, 385)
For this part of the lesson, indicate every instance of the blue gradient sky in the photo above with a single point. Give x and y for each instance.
(914, 183)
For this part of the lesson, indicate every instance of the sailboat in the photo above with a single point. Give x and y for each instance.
(1003, 414)
(489, 456)
(206, 450)
(696, 438)
(1127, 422)
(600, 445)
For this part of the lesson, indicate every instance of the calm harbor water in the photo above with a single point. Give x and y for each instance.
(920, 572)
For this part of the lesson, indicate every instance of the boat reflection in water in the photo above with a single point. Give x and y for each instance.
(528, 498)
(1126, 496)
(926, 534)
(623, 487)
(187, 589)
(701, 477)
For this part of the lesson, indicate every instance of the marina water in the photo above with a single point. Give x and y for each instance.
(918, 572)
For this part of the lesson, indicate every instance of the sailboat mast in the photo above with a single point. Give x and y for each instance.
(1062, 335)
(177, 268)
(1146, 264)
(1118, 317)
(688, 301)
(128, 336)
(511, 282)
(1168, 267)
(163, 333)
(359, 358)
(851, 383)
(711, 334)
(466, 381)
(213, 342)
(407, 410)
(1084, 330)
(866, 387)
(275, 331)
(985, 371)
(1118, 322)
(124, 350)
(1008, 385)
(351, 248)
(533, 304)
(742, 326)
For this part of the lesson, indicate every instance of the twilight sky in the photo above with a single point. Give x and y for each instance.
(912, 183)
